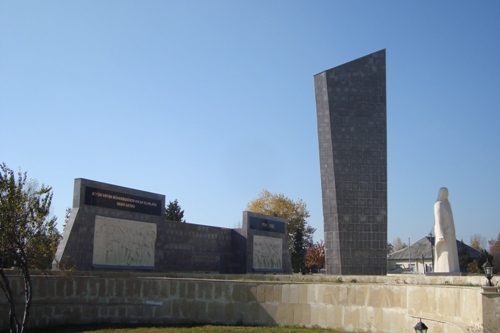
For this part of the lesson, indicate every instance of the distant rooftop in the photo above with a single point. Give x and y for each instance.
(423, 248)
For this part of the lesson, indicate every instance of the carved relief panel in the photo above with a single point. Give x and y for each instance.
(120, 242)
(267, 253)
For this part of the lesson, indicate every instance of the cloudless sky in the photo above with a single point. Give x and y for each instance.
(210, 102)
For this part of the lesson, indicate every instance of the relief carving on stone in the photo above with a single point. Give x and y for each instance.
(120, 242)
(267, 253)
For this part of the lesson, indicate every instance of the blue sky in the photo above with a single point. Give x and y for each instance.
(210, 102)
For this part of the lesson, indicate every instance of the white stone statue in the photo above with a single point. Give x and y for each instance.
(445, 247)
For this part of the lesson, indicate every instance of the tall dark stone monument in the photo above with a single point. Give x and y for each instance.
(351, 114)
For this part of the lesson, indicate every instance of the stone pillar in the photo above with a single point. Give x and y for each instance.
(351, 115)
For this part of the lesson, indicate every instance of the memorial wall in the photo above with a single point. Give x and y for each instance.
(117, 228)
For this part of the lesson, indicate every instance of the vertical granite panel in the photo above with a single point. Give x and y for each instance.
(351, 115)
(269, 229)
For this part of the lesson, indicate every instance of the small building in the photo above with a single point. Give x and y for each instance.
(419, 257)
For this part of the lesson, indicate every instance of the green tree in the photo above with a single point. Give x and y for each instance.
(299, 251)
(299, 233)
(28, 237)
(390, 248)
(476, 266)
(173, 212)
(464, 258)
(67, 215)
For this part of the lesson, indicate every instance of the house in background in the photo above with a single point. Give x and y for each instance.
(419, 257)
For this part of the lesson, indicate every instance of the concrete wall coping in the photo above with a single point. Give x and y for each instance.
(471, 280)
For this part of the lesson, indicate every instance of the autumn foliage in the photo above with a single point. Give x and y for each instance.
(299, 232)
(315, 256)
(495, 251)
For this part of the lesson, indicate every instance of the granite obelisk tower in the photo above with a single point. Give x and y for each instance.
(351, 115)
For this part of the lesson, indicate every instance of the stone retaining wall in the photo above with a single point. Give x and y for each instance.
(385, 306)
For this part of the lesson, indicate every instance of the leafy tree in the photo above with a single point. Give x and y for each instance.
(28, 237)
(398, 244)
(476, 266)
(464, 258)
(173, 212)
(295, 213)
(474, 243)
(495, 252)
(315, 256)
(390, 248)
(67, 215)
(299, 251)
(473, 267)
(478, 242)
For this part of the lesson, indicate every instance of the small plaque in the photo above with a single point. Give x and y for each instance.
(266, 225)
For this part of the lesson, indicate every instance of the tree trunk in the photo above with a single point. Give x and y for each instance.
(28, 296)
(7, 290)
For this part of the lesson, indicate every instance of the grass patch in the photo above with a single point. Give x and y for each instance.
(185, 329)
